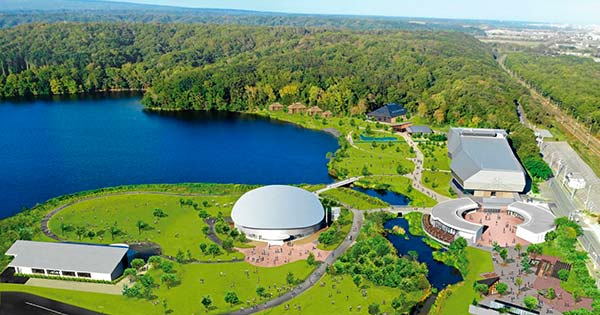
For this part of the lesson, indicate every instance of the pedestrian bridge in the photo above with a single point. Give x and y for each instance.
(341, 183)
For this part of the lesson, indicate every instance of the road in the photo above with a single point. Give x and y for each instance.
(18, 303)
(314, 277)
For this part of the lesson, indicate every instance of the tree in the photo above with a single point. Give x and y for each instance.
(214, 250)
(114, 231)
(526, 264)
(519, 247)
(227, 244)
(80, 231)
(365, 171)
(374, 308)
(399, 302)
(530, 302)
(206, 301)
(159, 213)
(130, 273)
(327, 238)
(503, 254)
(518, 283)
(180, 256)
(147, 280)
(481, 288)
(141, 225)
(501, 287)
(551, 293)
(203, 247)
(154, 261)
(261, 292)
(290, 278)
(311, 259)
(534, 249)
(563, 274)
(169, 279)
(137, 263)
(231, 298)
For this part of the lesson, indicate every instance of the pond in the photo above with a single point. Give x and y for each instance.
(390, 197)
(51, 147)
(440, 275)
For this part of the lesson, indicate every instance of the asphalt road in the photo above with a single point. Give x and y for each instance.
(18, 303)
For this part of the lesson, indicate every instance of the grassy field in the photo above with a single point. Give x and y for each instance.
(414, 223)
(437, 181)
(180, 230)
(342, 124)
(317, 300)
(381, 159)
(354, 199)
(456, 298)
(242, 278)
(436, 155)
(398, 184)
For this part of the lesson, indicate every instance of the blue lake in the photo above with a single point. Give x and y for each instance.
(392, 198)
(440, 275)
(54, 147)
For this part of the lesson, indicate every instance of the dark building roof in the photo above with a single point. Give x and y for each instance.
(489, 281)
(390, 110)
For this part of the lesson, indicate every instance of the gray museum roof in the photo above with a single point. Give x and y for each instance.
(475, 150)
(278, 207)
(66, 256)
(450, 213)
(419, 129)
(537, 219)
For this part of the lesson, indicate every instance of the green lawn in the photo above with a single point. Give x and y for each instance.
(103, 303)
(317, 301)
(185, 298)
(382, 159)
(181, 229)
(414, 223)
(436, 155)
(456, 298)
(401, 185)
(354, 199)
(343, 124)
(438, 182)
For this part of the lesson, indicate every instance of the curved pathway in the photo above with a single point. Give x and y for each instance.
(417, 173)
(314, 277)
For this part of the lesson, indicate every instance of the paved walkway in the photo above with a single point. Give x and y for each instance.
(417, 173)
(114, 289)
(314, 277)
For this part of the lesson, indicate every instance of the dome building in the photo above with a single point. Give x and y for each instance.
(278, 213)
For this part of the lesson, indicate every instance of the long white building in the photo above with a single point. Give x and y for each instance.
(278, 213)
(483, 162)
(97, 262)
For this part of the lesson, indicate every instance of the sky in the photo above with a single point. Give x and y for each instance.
(554, 11)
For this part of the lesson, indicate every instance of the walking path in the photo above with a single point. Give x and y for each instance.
(314, 277)
(417, 173)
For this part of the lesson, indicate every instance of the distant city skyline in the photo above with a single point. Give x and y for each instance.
(549, 11)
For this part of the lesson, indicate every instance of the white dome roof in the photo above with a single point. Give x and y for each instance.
(278, 207)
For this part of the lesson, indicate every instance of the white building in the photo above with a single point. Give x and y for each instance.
(483, 162)
(96, 262)
(278, 213)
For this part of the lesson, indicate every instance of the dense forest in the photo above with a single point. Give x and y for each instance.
(572, 82)
(445, 77)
